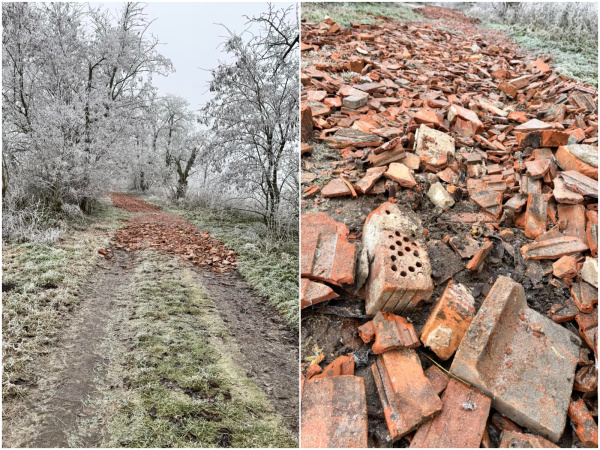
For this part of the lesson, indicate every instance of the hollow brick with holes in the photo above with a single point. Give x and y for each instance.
(399, 273)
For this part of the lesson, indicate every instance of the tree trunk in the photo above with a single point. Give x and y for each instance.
(181, 192)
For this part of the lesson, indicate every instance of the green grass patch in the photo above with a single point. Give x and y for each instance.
(347, 13)
(572, 59)
(182, 386)
(40, 288)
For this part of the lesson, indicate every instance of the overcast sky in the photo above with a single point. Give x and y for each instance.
(191, 36)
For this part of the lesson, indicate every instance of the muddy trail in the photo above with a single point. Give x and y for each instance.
(62, 409)
(465, 141)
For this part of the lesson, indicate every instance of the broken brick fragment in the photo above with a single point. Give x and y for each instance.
(391, 332)
(536, 215)
(553, 248)
(406, 395)
(479, 257)
(306, 123)
(513, 439)
(578, 182)
(448, 321)
(326, 253)
(342, 365)
(563, 313)
(334, 413)
(578, 158)
(508, 88)
(394, 261)
(335, 188)
(437, 378)
(368, 181)
(585, 426)
(585, 296)
(586, 379)
(461, 424)
(504, 423)
(433, 146)
(313, 292)
(401, 175)
(348, 137)
(565, 267)
(520, 359)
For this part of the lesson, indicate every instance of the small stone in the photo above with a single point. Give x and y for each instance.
(589, 271)
(440, 196)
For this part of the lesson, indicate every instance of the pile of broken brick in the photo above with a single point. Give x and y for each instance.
(420, 108)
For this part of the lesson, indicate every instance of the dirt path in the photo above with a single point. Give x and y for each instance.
(60, 411)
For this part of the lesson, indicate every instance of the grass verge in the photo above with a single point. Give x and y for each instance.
(176, 364)
(40, 288)
(346, 13)
(573, 60)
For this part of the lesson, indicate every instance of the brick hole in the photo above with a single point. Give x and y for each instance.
(407, 248)
(394, 268)
(419, 264)
(411, 269)
(392, 247)
(398, 243)
(403, 273)
(386, 211)
(393, 257)
(391, 237)
(397, 233)
(400, 253)
(416, 253)
(405, 239)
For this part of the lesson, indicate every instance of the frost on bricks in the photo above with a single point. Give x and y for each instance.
(460, 424)
(326, 253)
(394, 261)
(334, 413)
(521, 359)
(407, 397)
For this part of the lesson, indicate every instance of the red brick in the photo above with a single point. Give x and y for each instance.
(512, 439)
(562, 194)
(585, 426)
(542, 66)
(437, 378)
(461, 424)
(313, 292)
(518, 116)
(458, 112)
(588, 328)
(568, 161)
(504, 423)
(347, 137)
(490, 201)
(391, 332)
(591, 231)
(406, 395)
(565, 267)
(536, 215)
(334, 413)
(342, 365)
(521, 359)
(563, 313)
(399, 273)
(580, 183)
(544, 138)
(335, 188)
(585, 296)
(366, 183)
(536, 169)
(574, 217)
(326, 253)
(400, 174)
(448, 321)
(553, 248)
(306, 125)
(483, 252)
(427, 116)
(586, 379)
(464, 246)
(508, 88)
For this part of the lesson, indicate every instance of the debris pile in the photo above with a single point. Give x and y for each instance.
(449, 240)
(172, 234)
